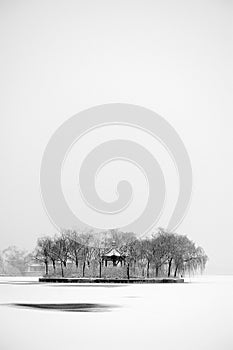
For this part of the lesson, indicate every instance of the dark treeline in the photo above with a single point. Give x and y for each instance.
(79, 253)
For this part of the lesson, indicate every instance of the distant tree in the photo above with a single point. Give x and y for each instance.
(2, 270)
(42, 252)
(131, 251)
(121, 239)
(87, 251)
(75, 246)
(99, 243)
(195, 260)
(168, 244)
(16, 260)
(159, 251)
(52, 252)
(61, 250)
(147, 253)
(179, 252)
(184, 250)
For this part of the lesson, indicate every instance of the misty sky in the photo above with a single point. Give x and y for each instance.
(174, 57)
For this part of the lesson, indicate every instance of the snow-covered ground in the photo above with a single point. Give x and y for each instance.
(196, 315)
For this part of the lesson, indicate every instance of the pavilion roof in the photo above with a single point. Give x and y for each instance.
(112, 252)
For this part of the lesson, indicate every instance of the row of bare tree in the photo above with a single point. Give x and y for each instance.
(164, 253)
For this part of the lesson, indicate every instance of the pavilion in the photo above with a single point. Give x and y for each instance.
(113, 255)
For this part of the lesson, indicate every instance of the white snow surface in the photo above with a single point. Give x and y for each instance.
(195, 315)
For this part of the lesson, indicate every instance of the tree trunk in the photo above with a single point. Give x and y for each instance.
(169, 268)
(100, 269)
(46, 268)
(128, 276)
(62, 271)
(156, 271)
(134, 267)
(148, 269)
(54, 266)
(76, 262)
(176, 269)
(84, 265)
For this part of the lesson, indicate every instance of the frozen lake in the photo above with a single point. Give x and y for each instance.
(197, 315)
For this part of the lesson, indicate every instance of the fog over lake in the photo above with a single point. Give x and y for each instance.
(196, 315)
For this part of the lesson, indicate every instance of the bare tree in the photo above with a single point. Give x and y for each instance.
(61, 250)
(159, 252)
(41, 253)
(75, 246)
(87, 250)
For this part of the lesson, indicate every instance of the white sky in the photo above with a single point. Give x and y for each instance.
(174, 57)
